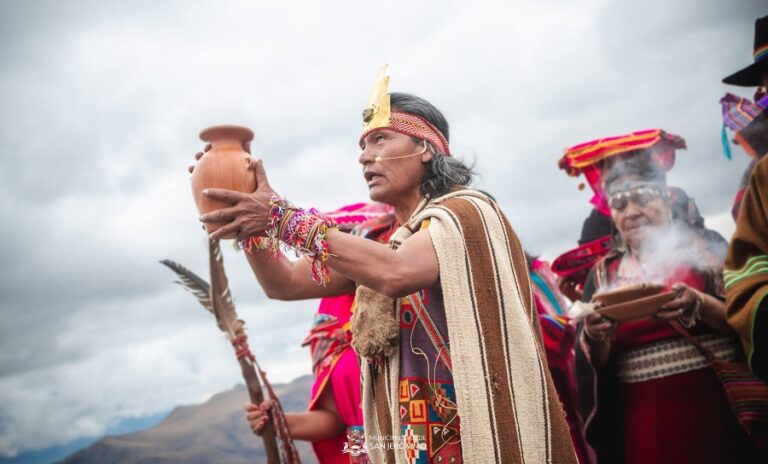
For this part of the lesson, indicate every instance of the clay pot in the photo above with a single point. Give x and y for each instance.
(224, 166)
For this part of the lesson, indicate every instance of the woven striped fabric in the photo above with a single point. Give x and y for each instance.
(746, 287)
(745, 276)
(418, 127)
(586, 158)
(738, 112)
(673, 356)
(754, 266)
(747, 395)
(414, 126)
(507, 404)
(589, 153)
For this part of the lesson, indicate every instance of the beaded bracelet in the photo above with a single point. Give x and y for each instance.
(302, 231)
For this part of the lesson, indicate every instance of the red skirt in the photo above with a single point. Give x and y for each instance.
(682, 418)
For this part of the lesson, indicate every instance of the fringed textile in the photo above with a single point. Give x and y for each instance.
(738, 112)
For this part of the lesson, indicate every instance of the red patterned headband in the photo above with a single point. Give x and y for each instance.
(415, 126)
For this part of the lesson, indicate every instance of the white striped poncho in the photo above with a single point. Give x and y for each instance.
(507, 403)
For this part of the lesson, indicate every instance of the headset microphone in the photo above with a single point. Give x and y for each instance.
(379, 159)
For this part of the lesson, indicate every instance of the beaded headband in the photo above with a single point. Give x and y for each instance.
(636, 184)
(378, 115)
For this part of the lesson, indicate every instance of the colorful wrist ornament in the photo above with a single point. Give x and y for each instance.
(690, 320)
(302, 231)
(254, 243)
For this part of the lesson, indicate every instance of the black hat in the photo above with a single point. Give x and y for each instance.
(750, 76)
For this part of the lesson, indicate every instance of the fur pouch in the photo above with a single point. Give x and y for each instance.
(375, 332)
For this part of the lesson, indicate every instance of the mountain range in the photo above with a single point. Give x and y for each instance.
(211, 432)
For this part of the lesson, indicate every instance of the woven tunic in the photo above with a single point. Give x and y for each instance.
(427, 396)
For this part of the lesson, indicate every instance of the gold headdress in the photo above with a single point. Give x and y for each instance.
(378, 114)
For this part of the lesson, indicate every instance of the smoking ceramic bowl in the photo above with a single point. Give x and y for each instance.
(638, 308)
(627, 293)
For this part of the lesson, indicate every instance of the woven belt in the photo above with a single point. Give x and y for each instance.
(674, 356)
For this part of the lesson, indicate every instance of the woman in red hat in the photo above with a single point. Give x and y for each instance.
(647, 394)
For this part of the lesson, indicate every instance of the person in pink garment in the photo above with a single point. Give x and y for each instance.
(337, 373)
(333, 421)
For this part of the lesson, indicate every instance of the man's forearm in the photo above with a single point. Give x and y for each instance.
(398, 273)
(283, 279)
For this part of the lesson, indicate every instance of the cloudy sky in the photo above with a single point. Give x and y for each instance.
(102, 103)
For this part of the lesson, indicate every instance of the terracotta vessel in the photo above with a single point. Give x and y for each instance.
(224, 166)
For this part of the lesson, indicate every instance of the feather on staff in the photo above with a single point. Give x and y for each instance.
(217, 299)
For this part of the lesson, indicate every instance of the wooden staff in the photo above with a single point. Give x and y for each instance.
(217, 299)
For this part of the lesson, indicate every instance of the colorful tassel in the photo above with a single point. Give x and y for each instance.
(726, 143)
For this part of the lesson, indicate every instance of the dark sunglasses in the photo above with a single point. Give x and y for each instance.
(640, 196)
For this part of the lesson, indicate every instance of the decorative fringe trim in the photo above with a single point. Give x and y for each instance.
(726, 143)
(300, 231)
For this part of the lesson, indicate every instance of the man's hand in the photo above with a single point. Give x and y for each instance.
(249, 214)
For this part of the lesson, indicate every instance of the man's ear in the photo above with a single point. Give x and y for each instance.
(428, 154)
